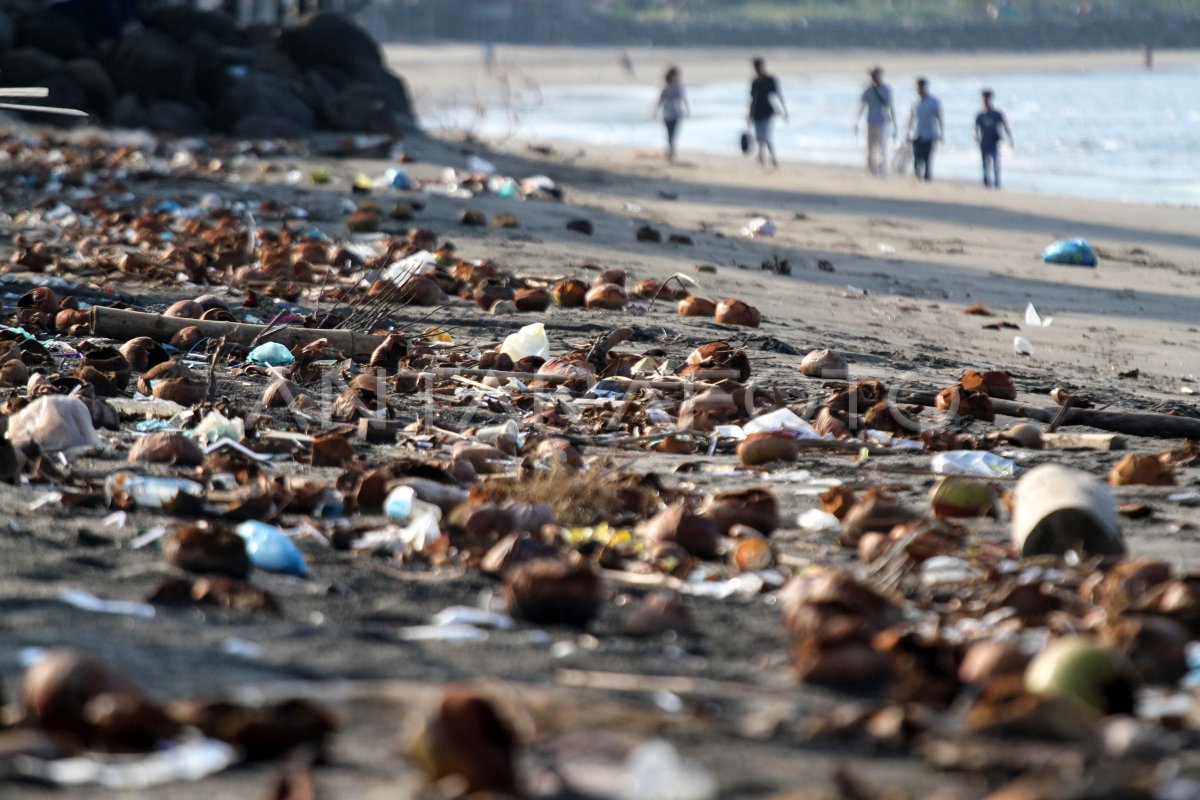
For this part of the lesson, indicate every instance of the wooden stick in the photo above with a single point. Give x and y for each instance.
(115, 323)
(1130, 423)
(528, 377)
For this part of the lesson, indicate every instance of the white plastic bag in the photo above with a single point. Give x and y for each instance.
(529, 341)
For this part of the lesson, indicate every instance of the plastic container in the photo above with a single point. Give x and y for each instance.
(1056, 509)
(399, 502)
(974, 463)
(150, 491)
(529, 341)
(271, 549)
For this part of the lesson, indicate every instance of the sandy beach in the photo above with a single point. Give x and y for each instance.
(881, 271)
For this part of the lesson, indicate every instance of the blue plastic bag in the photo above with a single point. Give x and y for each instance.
(271, 354)
(270, 548)
(1074, 252)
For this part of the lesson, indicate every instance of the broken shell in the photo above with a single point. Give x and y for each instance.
(1136, 470)
(142, 352)
(876, 511)
(764, 448)
(658, 614)
(207, 550)
(42, 299)
(697, 535)
(608, 296)
(987, 660)
(187, 338)
(60, 684)
(735, 312)
(188, 309)
(467, 742)
(994, 384)
(422, 291)
(569, 293)
(67, 319)
(756, 508)
(185, 391)
(281, 394)
(873, 546)
(167, 447)
(535, 300)
(826, 364)
(693, 306)
(547, 591)
(14, 373)
(966, 403)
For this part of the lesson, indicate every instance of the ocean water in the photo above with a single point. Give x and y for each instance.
(1131, 135)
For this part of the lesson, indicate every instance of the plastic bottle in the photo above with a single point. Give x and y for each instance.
(529, 341)
(150, 491)
(270, 548)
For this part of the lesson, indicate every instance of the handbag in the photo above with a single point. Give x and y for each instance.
(746, 142)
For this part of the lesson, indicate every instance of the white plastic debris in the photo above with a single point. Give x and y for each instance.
(1032, 317)
(216, 426)
(656, 771)
(782, 419)
(86, 601)
(55, 423)
(529, 341)
(187, 762)
(817, 521)
(973, 463)
(478, 617)
(480, 165)
(1022, 346)
(759, 227)
(419, 263)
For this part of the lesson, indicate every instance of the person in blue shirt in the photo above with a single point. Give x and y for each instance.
(990, 128)
(925, 129)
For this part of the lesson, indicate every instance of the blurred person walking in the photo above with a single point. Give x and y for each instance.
(990, 129)
(926, 120)
(764, 92)
(672, 107)
(877, 103)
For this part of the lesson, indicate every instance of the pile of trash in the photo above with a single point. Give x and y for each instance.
(309, 399)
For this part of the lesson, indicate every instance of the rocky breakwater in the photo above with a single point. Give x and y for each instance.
(186, 71)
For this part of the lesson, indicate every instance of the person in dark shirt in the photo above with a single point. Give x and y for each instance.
(764, 91)
(990, 128)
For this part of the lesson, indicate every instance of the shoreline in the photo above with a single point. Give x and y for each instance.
(458, 96)
(435, 73)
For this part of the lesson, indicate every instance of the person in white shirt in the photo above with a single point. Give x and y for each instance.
(673, 106)
(877, 103)
(926, 118)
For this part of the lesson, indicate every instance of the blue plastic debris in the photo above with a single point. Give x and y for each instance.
(270, 354)
(1073, 252)
(270, 548)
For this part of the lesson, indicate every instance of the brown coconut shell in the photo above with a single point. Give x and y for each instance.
(735, 312)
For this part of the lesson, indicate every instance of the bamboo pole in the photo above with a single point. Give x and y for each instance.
(115, 323)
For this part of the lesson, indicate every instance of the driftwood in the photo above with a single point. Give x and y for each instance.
(115, 323)
(629, 384)
(1130, 423)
